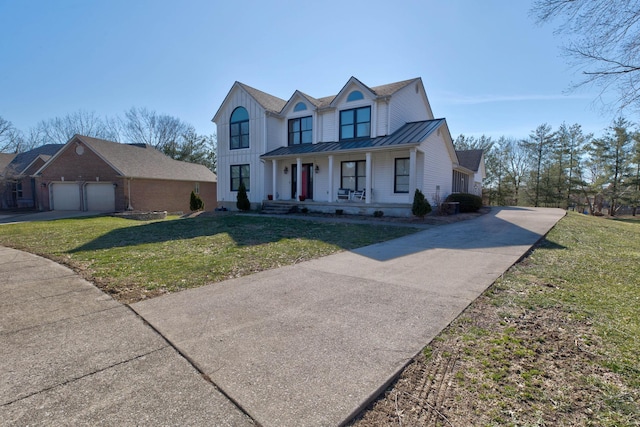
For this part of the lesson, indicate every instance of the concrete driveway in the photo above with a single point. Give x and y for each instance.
(304, 345)
(312, 344)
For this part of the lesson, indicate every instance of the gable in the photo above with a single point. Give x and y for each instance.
(297, 101)
(87, 158)
(76, 161)
(255, 101)
(352, 86)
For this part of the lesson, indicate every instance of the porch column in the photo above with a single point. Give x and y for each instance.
(331, 196)
(274, 183)
(298, 177)
(367, 179)
(413, 179)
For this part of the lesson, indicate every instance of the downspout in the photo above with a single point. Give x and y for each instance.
(130, 207)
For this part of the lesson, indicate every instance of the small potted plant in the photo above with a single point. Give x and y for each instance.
(269, 196)
(302, 198)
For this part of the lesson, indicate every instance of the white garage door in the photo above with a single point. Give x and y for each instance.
(101, 197)
(66, 196)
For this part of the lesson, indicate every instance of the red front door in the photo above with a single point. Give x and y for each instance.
(307, 181)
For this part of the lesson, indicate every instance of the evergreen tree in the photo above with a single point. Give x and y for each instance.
(243, 203)
(196, 203)
(612, 154)
(421, 206)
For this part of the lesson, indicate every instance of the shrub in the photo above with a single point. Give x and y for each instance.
(304, 210)
(243, 203)
(378, 214)
(196, 203)
(421, 206)
(468, 202)
(339, 211)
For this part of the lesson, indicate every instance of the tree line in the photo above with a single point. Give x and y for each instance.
(170, 135)
(563, 168)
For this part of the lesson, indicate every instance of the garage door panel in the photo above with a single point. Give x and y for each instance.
(66, 196)
(101, 197)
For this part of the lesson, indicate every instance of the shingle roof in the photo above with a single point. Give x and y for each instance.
(142, 161)
(391, 88)
(275, 105)
(409, 134)
(5, 159)
(469, 159)
(269, 102)
(22, 160)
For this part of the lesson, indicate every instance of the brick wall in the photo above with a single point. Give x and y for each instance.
(170, 196)
(146, 194)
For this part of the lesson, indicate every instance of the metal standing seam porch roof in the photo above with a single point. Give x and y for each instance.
(412, 133)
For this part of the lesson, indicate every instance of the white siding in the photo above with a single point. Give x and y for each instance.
(276, 133)
(438, 167)
(329, 127)
(382, 119)
(407, 105)
(251, 155)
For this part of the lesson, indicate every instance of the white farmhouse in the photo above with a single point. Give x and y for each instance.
(364, 149)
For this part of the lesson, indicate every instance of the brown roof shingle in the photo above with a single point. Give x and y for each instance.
(142, 161)
(275, 105)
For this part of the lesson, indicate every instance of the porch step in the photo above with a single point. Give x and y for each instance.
(275, 208)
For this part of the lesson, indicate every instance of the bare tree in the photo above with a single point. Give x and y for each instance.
(516, 164)
(61, 129)
(604, 41)
(539, 145)
(142, 126)
(9, 137)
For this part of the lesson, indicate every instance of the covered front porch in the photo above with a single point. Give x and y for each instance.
(354, 179)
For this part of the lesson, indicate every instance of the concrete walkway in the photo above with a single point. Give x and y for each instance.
(305, 345)
(71, 355)
(312, 344)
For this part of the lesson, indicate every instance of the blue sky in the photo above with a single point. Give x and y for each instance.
(487, 67)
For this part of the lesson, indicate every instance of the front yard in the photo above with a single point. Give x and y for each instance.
(554, 342)
(135, 260)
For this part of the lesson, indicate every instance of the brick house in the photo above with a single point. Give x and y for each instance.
(92, 174)
(18, 189)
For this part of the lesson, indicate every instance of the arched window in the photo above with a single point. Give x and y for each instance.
(355, 96)
(300, 106)
(239, 129)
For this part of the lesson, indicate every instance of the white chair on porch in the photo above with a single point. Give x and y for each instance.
(359, 195)
(344, 194)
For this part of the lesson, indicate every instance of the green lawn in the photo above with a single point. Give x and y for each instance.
(133, 259)
(555, 341)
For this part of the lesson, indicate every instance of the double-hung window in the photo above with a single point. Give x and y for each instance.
(355, 123)
(300, 130)
(240, 173)
(401, 176)
(353, 175)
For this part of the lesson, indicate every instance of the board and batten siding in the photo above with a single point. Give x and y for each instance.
(438, 167)
(250, 156)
